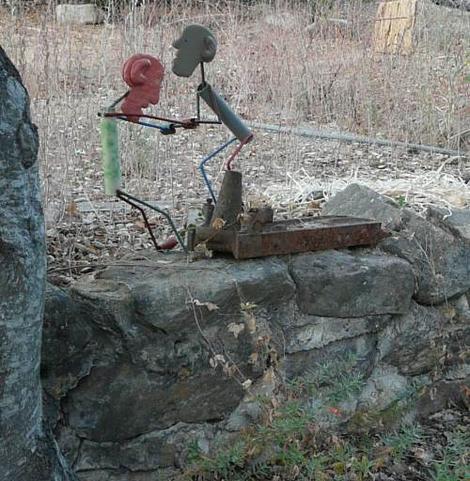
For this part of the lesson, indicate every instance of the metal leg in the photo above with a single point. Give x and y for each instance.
(131, 200)
(205, 160)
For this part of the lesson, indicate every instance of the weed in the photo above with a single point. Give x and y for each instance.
(362, 467)
(455, 462)
(401, 201)
(332, 382)
(402, 440)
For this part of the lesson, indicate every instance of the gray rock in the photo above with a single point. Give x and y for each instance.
(318, 332)
(456, 221)
(250, 410)
(122, 401)
(339, 284)
(79, 14)
(167, 331)
(245, 415)
(263, 282)
(148, 452)
(71, 343)
(413, 342)
(462, 308)
(384, 387)
(441, 395)
(124, 475)
(360, 201)
(363, 348)
(440, 260)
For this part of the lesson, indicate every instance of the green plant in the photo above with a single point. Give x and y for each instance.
(401, 201)
(362, 467)
(333, 381)
(225, 462)
(402, 440)
(455, 462)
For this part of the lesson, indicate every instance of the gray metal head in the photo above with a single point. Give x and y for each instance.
(195, 45)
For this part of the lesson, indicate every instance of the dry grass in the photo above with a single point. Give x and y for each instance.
(273, 65)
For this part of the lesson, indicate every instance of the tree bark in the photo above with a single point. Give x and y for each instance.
(28, 451)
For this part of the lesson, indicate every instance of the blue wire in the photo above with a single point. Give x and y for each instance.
(206, 159)
(146, 124)
(203, 162)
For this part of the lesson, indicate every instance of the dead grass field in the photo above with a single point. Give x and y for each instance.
(274, 65)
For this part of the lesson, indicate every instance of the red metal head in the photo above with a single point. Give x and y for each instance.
(143, 74)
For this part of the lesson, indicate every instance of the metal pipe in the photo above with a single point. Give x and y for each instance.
(224, 113)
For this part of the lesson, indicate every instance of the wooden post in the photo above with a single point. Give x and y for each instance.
(394, 23)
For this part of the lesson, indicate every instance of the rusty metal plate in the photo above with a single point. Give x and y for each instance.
(302, 235)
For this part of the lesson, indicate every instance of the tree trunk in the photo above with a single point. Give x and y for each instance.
(27, 450)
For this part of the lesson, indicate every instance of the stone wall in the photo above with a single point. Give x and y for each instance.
(143, 358)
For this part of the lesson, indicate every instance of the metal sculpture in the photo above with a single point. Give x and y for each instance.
(227, 227)
(195, 47)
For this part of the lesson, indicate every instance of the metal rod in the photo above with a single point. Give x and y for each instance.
(145, 116)
(235, 153)
(198, 107)
(122, 97)
(144, 215)
(347, 137)
(203, 75)
(145, 124)
(164, 213)
(178, 123)
(213, 122)
(205, 160)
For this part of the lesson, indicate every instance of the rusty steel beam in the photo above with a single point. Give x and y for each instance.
(297, 235)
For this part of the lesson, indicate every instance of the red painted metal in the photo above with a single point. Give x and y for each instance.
(170, 243)
(144, 75)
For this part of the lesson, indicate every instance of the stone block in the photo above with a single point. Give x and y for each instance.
(384, 387)
(360, 201)
(340, 284)
(413, 342)
(167, 325)
(440, 256)
(319, 332)
(456, 221)
(363, 348)
(79, 14)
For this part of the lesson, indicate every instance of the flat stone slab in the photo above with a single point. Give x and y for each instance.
(79, 14)
(340, 284)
